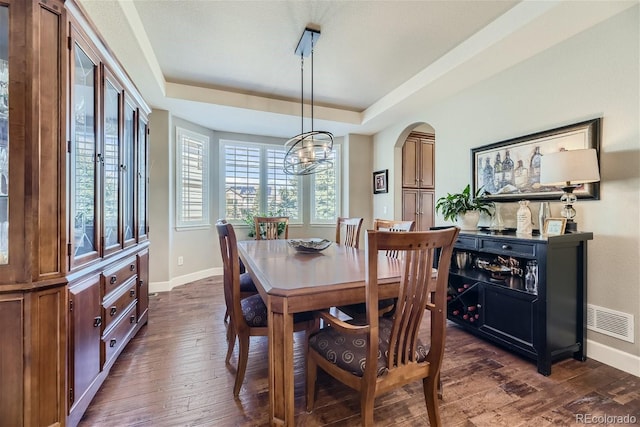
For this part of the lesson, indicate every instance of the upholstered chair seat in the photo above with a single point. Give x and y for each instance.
(348, 351)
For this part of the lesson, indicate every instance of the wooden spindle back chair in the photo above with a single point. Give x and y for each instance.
(351, 231)
(392, 352)
(271, 227)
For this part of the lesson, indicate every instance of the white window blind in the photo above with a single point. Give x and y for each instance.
(192, 171)
(325, 186)
(255, 184)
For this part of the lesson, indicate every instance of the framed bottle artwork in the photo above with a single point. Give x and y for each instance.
(510, 170)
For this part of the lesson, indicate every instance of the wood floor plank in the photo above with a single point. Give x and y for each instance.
(173, 374)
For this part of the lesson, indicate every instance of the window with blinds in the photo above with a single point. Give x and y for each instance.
(325, 192)
(192, 198)
(255, 184)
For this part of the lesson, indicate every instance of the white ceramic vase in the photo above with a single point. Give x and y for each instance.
(469, 220)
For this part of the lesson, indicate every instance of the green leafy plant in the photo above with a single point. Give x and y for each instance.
(452, 205)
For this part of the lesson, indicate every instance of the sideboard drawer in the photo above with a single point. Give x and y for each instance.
(114, 340)
(115, 276)
(509, 248)
(464, 242)
(118, 302)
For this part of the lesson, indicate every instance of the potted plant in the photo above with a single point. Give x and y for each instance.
(464, 208)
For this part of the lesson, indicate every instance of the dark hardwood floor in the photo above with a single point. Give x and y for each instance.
(173, 374)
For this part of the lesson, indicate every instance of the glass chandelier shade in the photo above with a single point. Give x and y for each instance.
(308, 152)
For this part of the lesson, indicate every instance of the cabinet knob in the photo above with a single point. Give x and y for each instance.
(141, 282)
(132, 267)
(132, 293)
(132, 319)
(112, 342)
(97, 322)
(506, 247)
(113, 279)
(113, 311)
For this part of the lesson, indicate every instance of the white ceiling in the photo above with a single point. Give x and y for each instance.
(230, 65)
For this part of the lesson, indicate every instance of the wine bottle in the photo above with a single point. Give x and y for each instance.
(507, 170)
(497, 173)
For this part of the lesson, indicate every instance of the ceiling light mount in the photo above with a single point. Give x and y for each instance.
(308, 152)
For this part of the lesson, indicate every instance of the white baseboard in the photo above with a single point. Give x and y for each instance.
(181, 280)
(610, 356)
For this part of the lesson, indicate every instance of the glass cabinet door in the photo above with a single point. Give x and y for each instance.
(4, 135)
(142, 177)
(129, 169)
(111, 165)
(84, 156)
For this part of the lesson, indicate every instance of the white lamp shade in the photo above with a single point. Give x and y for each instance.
(572, 166)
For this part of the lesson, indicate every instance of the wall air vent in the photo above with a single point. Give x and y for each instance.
(610, 322)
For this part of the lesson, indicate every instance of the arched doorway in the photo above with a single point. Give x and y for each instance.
(418, 176)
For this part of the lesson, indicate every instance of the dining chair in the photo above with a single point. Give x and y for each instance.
(247, 316)
(393, 225)
(386, 306)
(381, 354)
(351, 231)
(247, 287)
(271, 227)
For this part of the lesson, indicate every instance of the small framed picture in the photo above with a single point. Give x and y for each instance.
(554, 226)
(380, 181)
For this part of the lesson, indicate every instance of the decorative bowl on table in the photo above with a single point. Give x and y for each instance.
(309, 245)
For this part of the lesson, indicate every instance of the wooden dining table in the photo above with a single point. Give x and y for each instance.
(292, 282)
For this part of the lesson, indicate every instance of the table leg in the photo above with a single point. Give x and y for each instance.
(281, 403)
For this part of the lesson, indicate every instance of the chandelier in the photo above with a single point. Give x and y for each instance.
(308, 152)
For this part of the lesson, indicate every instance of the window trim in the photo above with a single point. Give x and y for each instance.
(205, 223)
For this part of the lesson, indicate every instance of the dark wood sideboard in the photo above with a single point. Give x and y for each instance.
(527, 294)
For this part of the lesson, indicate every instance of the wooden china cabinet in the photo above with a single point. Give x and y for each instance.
(418, 180)
(74, 254)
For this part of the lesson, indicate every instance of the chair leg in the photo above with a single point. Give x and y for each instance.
(367, 398)
(430, 386)
(231, 341)
(243, 355)
(312, 374)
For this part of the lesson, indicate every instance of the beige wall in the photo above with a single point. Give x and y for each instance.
(593, 74)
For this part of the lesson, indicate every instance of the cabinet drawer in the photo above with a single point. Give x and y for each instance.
(118, 302)
(509, 248)
(115, 276)
(116, 338)
(463, 242)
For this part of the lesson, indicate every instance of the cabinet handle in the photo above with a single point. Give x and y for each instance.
(140, 282)
(123, 168)
(132, 319)
(113, 279)
(112, 342)
(113, 311)
(132, 293)
(97, 321)
(99, 158)
(506, 246)
(132, 267)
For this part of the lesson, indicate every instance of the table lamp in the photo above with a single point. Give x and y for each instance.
(569, 169)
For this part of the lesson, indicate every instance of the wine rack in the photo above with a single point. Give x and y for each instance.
(526, 294)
